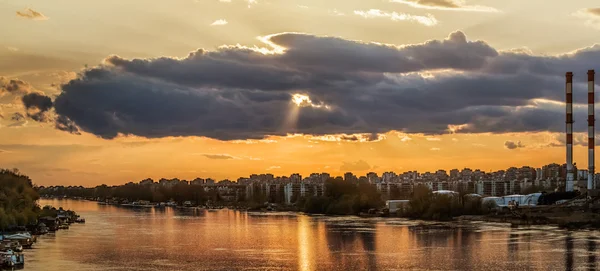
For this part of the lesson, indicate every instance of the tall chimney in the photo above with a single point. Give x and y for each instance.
(569, 92)
(591, 130)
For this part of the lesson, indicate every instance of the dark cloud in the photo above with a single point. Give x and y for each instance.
(218, 156)
(511, 145)
(354, 88)
(360, 137)
(359, 165)
(37, 106)
(308, 61)
(31, 14)
(349, 138)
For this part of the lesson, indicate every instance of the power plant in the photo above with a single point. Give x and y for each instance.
(569, 131)
(591, 130)
(569, 98)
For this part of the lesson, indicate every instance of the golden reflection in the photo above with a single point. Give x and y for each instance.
(304, 245)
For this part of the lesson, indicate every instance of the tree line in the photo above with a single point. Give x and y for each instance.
(179, 192)
(18, 200)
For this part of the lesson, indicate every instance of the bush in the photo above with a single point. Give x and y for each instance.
(343, 198)
(426, 205)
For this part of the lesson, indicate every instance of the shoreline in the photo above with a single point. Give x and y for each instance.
(570, 217)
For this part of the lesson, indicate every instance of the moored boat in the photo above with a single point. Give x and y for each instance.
(9, 258)
(25, 239)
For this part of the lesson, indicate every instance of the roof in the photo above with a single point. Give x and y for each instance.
(398, 201)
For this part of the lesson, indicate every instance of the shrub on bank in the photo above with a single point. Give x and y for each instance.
(426, 205)
(342, 198)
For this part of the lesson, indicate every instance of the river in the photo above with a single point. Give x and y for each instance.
(116, 238)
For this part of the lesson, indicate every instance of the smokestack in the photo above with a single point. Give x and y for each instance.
(569, 94)
(591, 130)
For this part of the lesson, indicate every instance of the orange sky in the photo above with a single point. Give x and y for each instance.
(48, 45)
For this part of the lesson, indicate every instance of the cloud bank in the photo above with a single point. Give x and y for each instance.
(234, 93)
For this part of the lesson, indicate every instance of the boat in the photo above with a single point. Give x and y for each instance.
(63, 226)
(11, 259)
(25, 239)
(42, 229)
(139, 204)
(12, 245)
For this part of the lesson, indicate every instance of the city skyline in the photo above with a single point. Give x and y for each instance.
(228, 88)
(554, 171)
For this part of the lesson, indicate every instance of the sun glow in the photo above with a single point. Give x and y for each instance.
(301, 100)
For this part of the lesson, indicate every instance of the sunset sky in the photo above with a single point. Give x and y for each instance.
(96, 92)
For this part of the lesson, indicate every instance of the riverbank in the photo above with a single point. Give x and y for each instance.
(566, 217)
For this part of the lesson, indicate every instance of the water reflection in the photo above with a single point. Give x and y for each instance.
(569, 252)
(304, 245)
(117, 238)
(591, 249)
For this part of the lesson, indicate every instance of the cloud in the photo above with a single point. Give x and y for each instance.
(17, 117)
(435, 149)
(453, 85)
(579, 139)
(433, 139)
(336, 12)
(31, 14)
(63, 123)
(37, 106)
(511, 145)
(359, 165)
(593, 11)
(273, 167)
(373, 137)
(456, 5)
(219, 156)
(14, 86)
(428, 20)
(590, 15)
(219, 22)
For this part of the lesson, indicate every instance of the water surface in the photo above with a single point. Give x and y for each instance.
(116, 238)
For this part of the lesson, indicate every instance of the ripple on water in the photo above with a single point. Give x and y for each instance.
(124, 239)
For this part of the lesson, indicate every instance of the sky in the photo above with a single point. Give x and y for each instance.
(95, 92)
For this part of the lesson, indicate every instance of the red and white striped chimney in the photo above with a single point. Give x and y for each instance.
(591, 130)
(569, 94)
